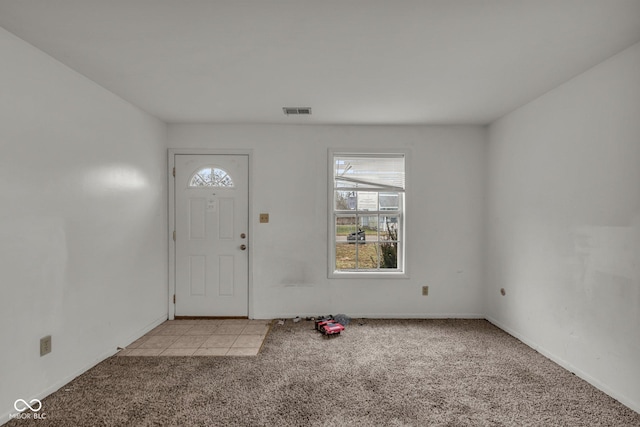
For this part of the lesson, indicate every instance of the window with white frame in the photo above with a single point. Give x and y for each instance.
(367, 213)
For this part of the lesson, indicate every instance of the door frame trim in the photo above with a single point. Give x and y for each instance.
(171, 223)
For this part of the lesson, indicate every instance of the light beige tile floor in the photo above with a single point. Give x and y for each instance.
(201, 337)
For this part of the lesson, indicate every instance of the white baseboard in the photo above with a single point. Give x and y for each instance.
(568, 366)
(144, 330)
(103, 356)
(374, 315)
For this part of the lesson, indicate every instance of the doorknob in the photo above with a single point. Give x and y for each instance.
(243, 247)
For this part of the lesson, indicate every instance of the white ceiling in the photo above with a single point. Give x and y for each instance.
(352, 61)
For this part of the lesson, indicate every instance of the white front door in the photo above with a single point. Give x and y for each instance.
(212, 220)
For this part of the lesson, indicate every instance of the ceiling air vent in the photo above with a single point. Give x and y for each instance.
(296, 110)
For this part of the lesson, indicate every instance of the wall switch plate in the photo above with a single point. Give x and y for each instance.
(45, 345)
(425, 290)
(264, 218)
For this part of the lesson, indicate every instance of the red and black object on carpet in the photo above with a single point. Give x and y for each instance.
(331, 328)
(328, 326)
(323, 320)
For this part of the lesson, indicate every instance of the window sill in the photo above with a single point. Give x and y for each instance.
(367, 275)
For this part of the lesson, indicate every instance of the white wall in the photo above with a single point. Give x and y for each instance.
(82, 222)
(289, 255)
(83, 235)
(564, 225)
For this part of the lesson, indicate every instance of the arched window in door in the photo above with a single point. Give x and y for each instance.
(211, 177)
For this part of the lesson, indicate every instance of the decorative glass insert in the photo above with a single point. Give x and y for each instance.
(211, 177)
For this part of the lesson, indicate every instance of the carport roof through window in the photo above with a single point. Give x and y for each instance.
(211, 177)
(382, 172)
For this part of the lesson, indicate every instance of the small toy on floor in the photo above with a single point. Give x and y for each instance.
(328, 326)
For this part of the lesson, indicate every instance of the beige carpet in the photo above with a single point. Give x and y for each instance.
(377, 373)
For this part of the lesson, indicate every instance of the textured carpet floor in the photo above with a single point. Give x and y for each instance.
(377, 373)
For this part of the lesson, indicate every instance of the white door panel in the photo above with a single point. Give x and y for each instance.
(211, 235)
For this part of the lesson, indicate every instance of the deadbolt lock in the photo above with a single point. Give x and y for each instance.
(242, 236)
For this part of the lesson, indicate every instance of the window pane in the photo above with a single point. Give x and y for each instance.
(211, 177)
(367, 256)
(345, 256)
(369, 225)
(389, 201)
(367, 201)
(345, 200)
(345, 228)
(388, 254)
(370, 171)
(388, 227)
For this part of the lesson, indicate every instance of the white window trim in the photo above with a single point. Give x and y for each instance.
(368, 274)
